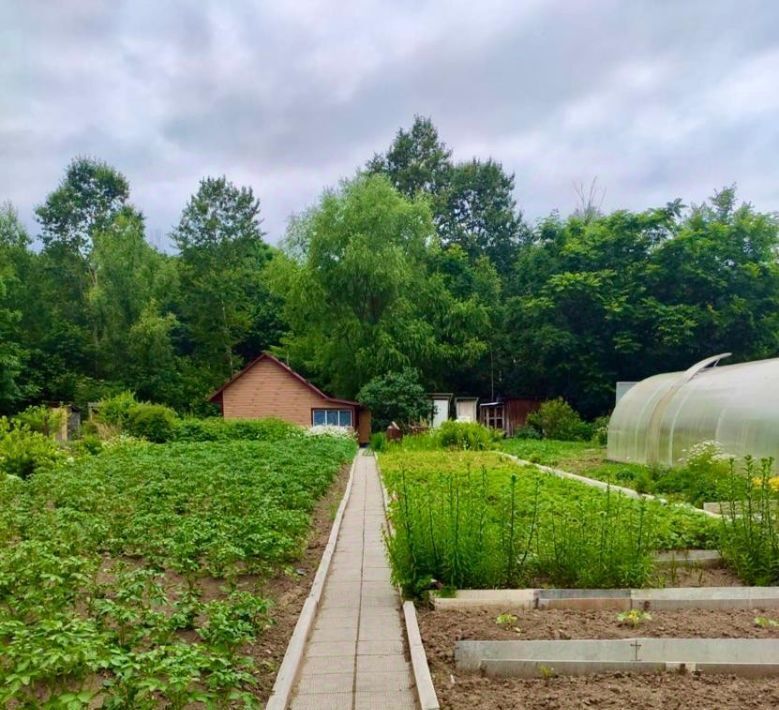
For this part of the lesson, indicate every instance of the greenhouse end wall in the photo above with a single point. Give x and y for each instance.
(659, 419)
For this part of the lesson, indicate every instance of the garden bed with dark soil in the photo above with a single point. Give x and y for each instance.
(289, 591)
(442, 629)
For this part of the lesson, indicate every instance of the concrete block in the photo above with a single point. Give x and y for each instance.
(706, 598)
(492, 598)
(529, 658)
(326, 683)
(330, 648)
(384, 682)
(403, 700)
(317, 665)
(380, 648)
(324, 701)
(688, 558)
(583, 599)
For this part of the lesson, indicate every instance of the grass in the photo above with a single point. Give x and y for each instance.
(582, 457)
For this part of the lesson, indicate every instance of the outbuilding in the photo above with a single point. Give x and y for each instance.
(267, 387)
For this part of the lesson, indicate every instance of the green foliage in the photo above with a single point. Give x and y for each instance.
(42, 419)
(107, 559)
(471, 519)
(469, 436)
(219, 429)
(396, 397)
(556, 419)
(116, 410)
(154, 422)
(23, 452)
(750, 523)
(378, 441)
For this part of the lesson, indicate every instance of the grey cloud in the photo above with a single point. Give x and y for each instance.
(660, 99)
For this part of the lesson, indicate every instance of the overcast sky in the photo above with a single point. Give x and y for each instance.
(657, 98)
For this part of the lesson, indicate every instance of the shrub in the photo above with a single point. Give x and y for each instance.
(396, 397)
(465, 435)
(378, 441)
(600, 431)
(116, 410)
(526, 432)
(22, 452)
(556, 419)
(218, 429)
(154, 422)
(41, 419)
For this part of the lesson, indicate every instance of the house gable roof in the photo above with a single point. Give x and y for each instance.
(217, 396)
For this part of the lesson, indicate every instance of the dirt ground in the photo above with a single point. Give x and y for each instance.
(442, 629)
(289, 591)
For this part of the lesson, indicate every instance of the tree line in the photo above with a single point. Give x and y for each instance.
(418, 265)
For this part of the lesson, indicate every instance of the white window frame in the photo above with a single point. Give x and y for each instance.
(341, 415)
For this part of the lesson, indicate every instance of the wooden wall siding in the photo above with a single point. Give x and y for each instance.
(267, 390)
(517, 411)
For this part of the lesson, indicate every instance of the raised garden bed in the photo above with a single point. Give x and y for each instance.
(441, 630)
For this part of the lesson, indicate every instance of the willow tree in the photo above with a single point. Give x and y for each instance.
(352, 278)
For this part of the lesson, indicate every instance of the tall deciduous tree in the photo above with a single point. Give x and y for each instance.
(351, 297)
(472, 203)
(224, 302)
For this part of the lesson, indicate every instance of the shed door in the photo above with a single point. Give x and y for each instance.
(440, 411)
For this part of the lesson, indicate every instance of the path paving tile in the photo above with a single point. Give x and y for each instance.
(355, 657)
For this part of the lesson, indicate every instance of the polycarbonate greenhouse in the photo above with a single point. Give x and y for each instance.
(660, 418)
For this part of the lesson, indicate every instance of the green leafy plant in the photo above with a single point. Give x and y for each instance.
(765, 622)
(749, 538)
(556, 419)
(469, 436)
(154, 422)
(23, 452)
(633, 618)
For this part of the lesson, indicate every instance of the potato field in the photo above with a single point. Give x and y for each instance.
(132, 578)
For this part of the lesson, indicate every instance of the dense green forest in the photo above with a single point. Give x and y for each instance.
(419, 262)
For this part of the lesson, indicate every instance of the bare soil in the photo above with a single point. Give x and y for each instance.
(442, 629)
(289, 590)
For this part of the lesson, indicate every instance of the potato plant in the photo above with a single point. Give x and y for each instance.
(133, 578)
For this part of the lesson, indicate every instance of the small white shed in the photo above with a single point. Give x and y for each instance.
(466, 409)
(441, 402)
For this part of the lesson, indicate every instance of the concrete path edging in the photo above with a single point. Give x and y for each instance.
(293, 657)
(426, 695)
(669, 598)
(428, 700)
(602, 485)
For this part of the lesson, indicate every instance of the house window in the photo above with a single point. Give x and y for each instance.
(332, 417)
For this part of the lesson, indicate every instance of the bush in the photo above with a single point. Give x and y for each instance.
(556, 419)
(378, 441)
(396, 397)
(465, 435)
(526, 432)
(218, 429)
(41, 419)
(22, 452)
(600, 431)
(154, 422)
(116, 410)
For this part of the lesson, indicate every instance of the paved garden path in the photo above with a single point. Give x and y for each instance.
(354, 658)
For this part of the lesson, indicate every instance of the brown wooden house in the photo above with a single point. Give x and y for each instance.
(508, 414)
(267, 387)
